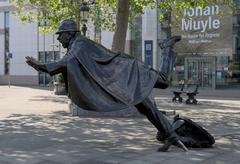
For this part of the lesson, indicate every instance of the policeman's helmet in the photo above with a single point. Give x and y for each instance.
(67, 26)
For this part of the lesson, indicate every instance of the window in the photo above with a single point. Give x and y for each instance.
(6, 19)
(47, 57)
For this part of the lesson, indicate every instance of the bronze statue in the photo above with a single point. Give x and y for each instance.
(98, 79)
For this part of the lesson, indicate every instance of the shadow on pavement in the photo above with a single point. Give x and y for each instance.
(66, 139)
(24, 137)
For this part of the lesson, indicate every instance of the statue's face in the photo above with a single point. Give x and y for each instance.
(64, 38)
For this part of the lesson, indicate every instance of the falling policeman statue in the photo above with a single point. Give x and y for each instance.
(98, 79)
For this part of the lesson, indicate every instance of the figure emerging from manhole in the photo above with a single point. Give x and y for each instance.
(98, 79)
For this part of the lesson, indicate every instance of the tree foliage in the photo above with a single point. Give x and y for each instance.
(102, 11)
(53, 11)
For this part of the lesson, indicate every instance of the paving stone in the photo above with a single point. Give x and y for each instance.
(111, 158)
(93, 161)
(48, 162)
(59, 157)
(129, 154)
(176, 161)
(17, 158)
(6, 162)
(137, 162)
(153, 157)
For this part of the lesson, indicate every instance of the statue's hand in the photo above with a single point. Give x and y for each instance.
(35, 64)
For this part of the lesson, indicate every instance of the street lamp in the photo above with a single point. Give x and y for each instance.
(84, 11)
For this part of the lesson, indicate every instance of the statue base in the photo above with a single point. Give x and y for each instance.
(128, 112)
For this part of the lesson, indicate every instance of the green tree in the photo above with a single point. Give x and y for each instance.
(114, 15)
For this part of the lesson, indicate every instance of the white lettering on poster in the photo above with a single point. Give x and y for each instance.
(201, 37)
(205, 30)
(189, 23)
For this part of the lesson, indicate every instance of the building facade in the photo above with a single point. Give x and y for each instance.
(18, 40)
(208, 53)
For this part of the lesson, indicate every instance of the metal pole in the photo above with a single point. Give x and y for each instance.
(9, 83)
(44, 57)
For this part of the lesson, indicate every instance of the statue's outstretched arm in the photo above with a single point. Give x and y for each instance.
(58, 66)
(51, 68)
(38, 66)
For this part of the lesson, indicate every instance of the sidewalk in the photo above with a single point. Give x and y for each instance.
(36, 128)
(231, 93)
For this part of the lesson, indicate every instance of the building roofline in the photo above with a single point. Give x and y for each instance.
(7, 8)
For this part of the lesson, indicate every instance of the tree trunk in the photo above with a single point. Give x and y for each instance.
(119, 37)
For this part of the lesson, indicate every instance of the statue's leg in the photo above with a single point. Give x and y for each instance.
(149, 109)
(167, 63)
(162, 81)
(165, 69)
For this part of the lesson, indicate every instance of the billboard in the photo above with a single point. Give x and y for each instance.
(204, 31)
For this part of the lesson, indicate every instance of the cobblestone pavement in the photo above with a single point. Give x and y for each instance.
(36, 128)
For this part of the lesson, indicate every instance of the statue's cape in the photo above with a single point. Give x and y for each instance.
(101, 80)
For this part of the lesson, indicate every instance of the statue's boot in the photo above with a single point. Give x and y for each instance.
(172, 140)
(157, 118)
(165, 69)
(168, 56)
(170, 42)
(167, 63)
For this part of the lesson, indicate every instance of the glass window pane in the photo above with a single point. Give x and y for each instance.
(56, 55)
(46, 57)
(48, 79)
(49, 56)
(6, 19)
(41, 78)
(41, 57)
